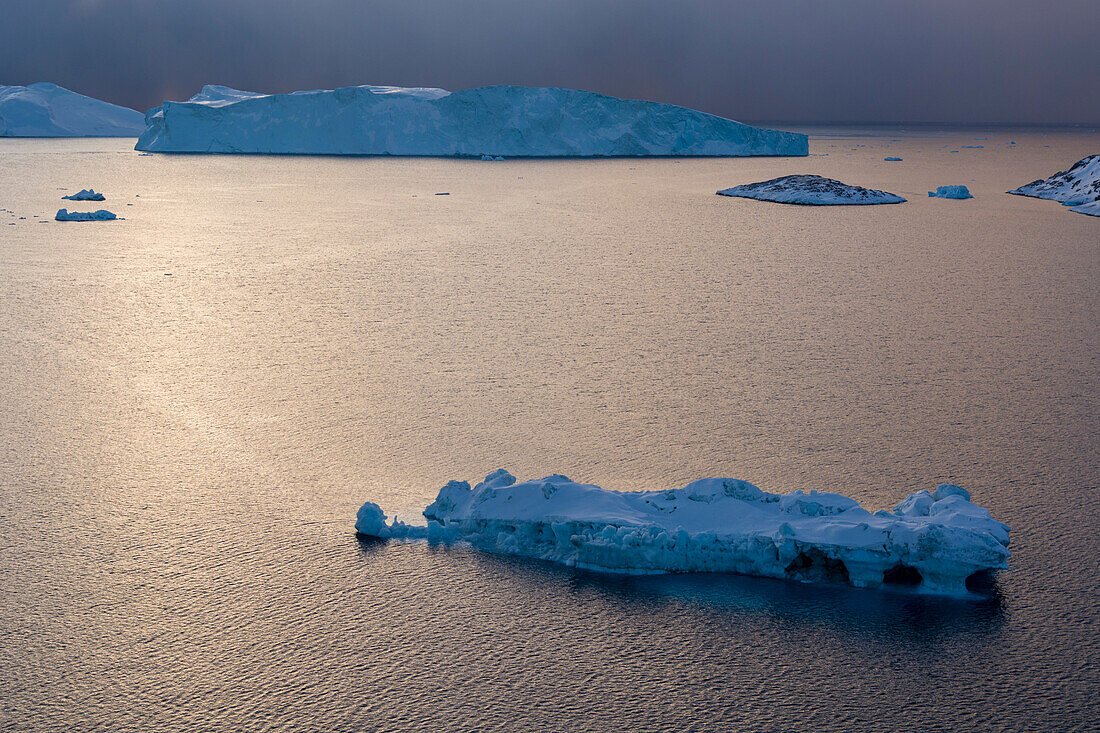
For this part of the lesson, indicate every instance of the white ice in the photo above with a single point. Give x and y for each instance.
(101, 215)
(492, 121)
(811, 190)
(933, 541)
(47, 110)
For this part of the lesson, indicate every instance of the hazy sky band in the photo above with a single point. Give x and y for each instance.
(972, 61)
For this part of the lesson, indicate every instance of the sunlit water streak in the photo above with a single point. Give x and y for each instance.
(195, 401)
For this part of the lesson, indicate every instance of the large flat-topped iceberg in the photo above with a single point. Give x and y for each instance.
(47, 110)
(933, 541)
(492, 121)
(810, 190)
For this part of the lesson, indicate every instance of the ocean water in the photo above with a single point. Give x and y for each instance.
(194, 402)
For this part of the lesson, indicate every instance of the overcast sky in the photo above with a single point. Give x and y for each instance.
(978, 61)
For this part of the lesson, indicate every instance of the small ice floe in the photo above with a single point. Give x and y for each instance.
(951, 192)
(1078, 188)
(492, 158)
(101, 215)
(1092, 208)
(85, 194)
(811, 190)
(892, 160)
(933, 541)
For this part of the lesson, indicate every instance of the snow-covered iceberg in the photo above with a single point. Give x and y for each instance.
(101, 215)
(933, 541)
(85, 194)
(1078, 186)
(811, 191)
(951, 192)
(509, 121)
(47, 110)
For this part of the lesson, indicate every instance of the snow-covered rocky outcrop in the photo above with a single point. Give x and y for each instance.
(1078, 188)
(101, 215)
(933, 541)
(491, 121)
(812, 191)
(85, 194)
(47, 110)
(951, 192)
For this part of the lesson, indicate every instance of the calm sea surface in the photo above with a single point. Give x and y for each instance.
(195, 401)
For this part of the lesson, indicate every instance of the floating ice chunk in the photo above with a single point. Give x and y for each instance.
(488, 121)
(85, 194)
(951, 192)
(492, 158)
(371, 521)
(1090, 209)
(101, 215)
(892, 160)
(935, 540)
(47, 110)
(811, 190)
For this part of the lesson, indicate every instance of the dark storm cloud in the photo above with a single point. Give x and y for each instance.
(857, 60)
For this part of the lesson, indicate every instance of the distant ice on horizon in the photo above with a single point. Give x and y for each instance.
(47, 110)
(495, 121)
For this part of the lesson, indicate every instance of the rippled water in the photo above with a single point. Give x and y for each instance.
(195, 401)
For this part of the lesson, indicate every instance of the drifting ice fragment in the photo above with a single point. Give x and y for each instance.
(951, 192)
(101, 215)
(85, 194)
(934, 540)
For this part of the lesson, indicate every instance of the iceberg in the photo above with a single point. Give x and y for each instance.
(47, 110)
(932, 541)
(1075, 187)
(811, 190)
(1092, 208)
(101, 215)
(85, 194)
(951, 192)
(495, 121)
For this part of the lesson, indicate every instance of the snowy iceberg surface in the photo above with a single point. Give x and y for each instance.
(951, 192)
(811, 191)
(101, 215)
(491, 121)
(47, 110)
(85, 194)
(1075, 187)
(933, 541)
